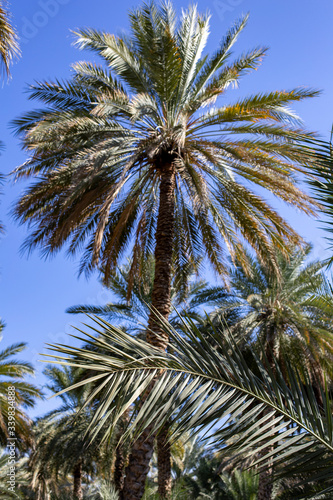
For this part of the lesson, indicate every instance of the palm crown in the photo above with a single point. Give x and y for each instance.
(12, 373)
(105, 138)
(291, 317)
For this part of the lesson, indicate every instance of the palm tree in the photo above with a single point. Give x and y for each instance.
(289, 316)
(12, 374)
(21, 478)
(206, 383)
(241, 485)
(137, 157)
(133, 313)
(9, 47)
(61, 445)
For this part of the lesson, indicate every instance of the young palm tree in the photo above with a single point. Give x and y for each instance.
(12, 374)
(144, 156)
(9, 47)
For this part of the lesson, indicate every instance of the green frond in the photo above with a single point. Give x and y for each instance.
(205, 383)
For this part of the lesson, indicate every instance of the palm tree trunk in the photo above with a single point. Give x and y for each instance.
(77, 487)
(119, 469)
(265, 487)
(142, 450)
(164, 463)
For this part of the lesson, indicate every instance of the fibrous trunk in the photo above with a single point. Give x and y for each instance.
(77, 476)
(164, 463)
(142, 450)
(119, 469)
(265, 487)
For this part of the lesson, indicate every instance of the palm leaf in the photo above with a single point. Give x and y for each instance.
(207, 385)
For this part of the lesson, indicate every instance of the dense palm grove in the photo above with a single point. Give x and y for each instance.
(180, 388)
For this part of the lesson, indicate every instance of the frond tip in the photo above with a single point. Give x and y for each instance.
(9, 47)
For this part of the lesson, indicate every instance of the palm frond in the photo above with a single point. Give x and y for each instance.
(207, 385)
(9, 48)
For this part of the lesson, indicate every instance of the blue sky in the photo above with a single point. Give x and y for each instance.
(35, 293)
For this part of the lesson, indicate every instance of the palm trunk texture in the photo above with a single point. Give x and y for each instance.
(77, 476)
(164, 463)
(119, 470)
(121, 456)
(142, 450)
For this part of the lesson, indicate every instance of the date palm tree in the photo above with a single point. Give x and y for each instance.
(147, 156)
(290, 317)
(287, 318)
(61, 447)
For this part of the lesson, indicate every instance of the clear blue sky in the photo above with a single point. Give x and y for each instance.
(34, 292)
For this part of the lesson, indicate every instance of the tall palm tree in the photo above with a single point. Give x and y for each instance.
(12, 374)
(140, 156)
(61, 445)
(134, 314)
(9, 47)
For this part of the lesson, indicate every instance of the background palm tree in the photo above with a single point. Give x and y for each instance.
(289, 317)
(12, 374)
(138, 155)
(61, 443)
